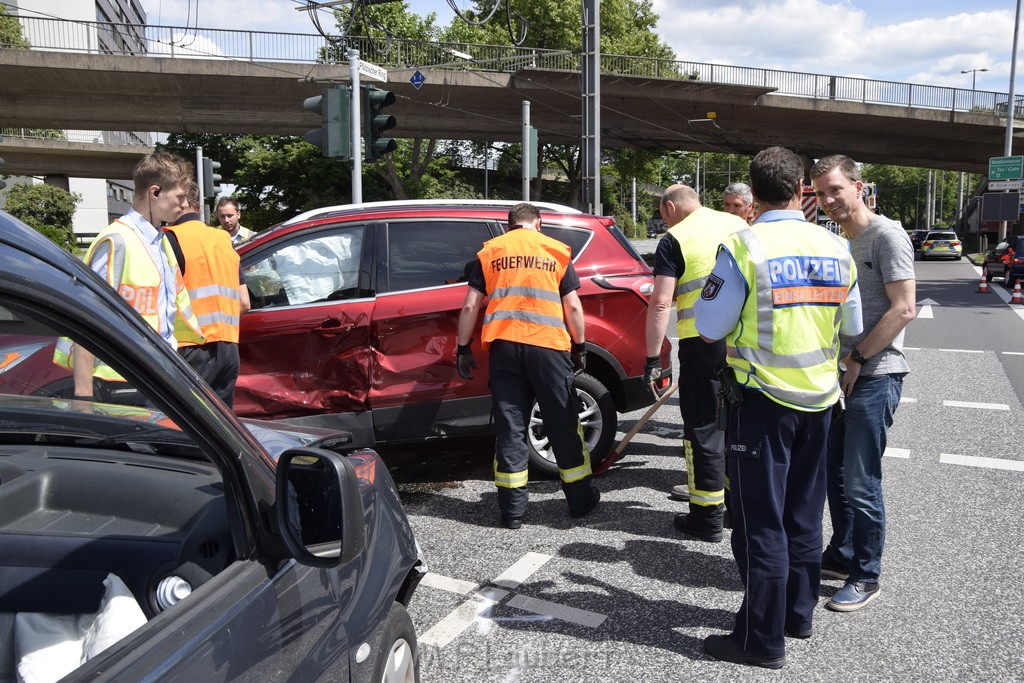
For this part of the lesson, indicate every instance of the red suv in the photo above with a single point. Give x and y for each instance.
(355, 310)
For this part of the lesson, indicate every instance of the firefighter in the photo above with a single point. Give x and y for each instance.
(210, 268)
(683, 259)
(779, 294)
(533, 328)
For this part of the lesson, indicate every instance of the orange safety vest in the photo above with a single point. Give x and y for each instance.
(211, 277)
(522, 271)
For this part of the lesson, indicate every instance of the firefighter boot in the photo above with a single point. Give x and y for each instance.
(702, 522)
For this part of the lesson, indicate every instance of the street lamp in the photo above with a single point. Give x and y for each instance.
(974, 75)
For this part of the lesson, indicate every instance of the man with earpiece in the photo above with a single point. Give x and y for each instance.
(135, 257)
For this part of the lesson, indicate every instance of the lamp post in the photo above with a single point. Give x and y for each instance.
(974, 81)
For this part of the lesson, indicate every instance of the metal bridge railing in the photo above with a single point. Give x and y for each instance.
(206, 43)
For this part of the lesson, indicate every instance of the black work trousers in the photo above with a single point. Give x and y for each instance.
(217, 363)
(703, 442)
(776, 461)
(520, 374)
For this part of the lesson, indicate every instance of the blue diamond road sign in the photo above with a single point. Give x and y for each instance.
(417, 79)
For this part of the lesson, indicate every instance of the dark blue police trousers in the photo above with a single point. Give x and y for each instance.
(776, 464)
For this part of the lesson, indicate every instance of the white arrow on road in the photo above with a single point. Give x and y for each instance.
(926, 308)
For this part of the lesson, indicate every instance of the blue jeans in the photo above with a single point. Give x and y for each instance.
(855, 447)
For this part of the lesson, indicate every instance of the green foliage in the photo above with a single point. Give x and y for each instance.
(903, 193)
(10, 32)
(46, 208)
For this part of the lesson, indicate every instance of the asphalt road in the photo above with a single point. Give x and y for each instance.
(622, 596)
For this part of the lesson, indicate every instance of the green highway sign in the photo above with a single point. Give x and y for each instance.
(1006, 168)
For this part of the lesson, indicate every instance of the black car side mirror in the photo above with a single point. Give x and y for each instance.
(320, 510)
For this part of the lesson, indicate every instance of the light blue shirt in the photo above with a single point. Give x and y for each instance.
(717, 317)
(152, 238)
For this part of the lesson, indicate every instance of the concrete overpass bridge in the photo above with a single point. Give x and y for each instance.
(238, 82)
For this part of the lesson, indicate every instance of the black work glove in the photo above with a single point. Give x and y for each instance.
(578, 353)
(652, 373)
(464, 360)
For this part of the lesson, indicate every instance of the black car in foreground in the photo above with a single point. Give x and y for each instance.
(169, 540)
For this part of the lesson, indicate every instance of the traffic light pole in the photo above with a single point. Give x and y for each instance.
(199, 175)
(356, 129)
(526, 150)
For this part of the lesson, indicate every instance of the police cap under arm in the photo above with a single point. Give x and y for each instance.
(721, 302)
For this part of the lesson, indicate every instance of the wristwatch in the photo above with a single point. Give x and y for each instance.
(857, 355)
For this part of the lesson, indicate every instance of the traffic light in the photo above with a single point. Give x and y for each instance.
(334, 138)
(211, 180)
(374, 101)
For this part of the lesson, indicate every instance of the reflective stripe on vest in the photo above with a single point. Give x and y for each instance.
(784, 367)
(522, 273)
(211, 276)
(698, 236)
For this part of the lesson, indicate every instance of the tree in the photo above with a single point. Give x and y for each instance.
(46, 208)
(10, 32)
(627, 28)
(903, 194)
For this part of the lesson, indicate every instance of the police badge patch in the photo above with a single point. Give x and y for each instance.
(712, 287)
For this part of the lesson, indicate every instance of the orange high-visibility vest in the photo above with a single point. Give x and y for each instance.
(522, 271)
(211, 277)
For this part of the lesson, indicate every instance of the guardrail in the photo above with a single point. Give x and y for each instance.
(104, 137)
(259, 46)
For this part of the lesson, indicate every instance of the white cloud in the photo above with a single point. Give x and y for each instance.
(827, 38)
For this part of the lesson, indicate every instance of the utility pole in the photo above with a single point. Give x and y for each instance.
(591, 81)
(356, 129)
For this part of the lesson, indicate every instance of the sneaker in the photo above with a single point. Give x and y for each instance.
(833, 569)
(595, 498)
(680, 492)
(723, 648)
(692, 526)
(853, 596)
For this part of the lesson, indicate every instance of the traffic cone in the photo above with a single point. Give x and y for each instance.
(983, 285)
(1016, 299)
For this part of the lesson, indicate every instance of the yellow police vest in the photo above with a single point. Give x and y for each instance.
(522, 272)
(698, 236)
(140, 287)
(798, 275)
(211, 277)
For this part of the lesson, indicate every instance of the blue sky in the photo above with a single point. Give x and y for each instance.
(915, 41)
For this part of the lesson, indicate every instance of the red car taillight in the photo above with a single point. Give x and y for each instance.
(640, 285)
(955, 243)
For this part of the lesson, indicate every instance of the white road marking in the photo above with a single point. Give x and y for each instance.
(1013, 353)
(970, 404)
(461, 618)
(911, 348)
(925, 312)
(897, 453)
(907, 399)
(962, 350)
(521, 570)
(446, 583)
(553, 609)
(974, 461)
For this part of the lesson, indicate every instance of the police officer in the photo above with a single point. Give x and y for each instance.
(533, 327)
(135, 257)
(210, 269)
(682, 262)
(780, 292)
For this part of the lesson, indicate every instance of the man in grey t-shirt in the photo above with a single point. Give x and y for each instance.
(873, 366)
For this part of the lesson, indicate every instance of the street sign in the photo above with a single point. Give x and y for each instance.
(1000, 206)
(1006, 184)
(417, 79)
(1005, 168)
(377, 73)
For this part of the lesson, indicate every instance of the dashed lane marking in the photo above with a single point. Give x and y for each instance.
(521, 570)
(897, 453)
(446, 583)
(462, 617)
(1013, 353)
(975, 461)
(907, 399)
(480, 600)
(970, 404)
(553, 609)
